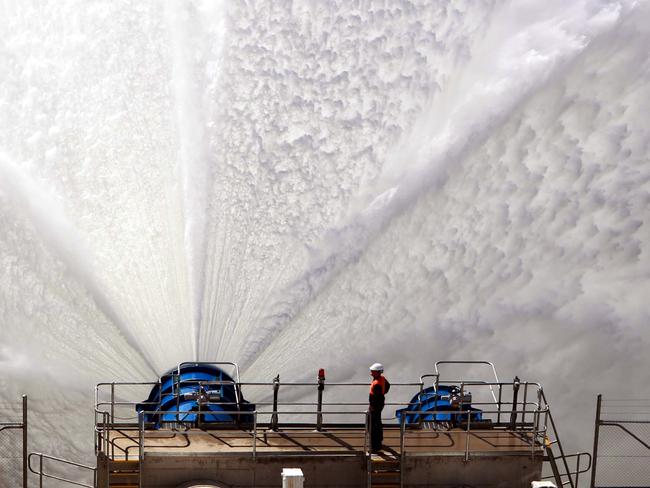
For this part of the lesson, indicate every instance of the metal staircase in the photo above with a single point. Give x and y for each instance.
(563, 475)
(384, 471)
(123, 474)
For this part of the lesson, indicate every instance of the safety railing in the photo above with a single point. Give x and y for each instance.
(518, 406)
(44, 475)
(573, 475)
(255, 431)
(505, 413)
(108, 399)
(563, 473)
(533, 433)
(258, 431)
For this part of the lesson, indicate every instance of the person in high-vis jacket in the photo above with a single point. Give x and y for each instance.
(378, 389)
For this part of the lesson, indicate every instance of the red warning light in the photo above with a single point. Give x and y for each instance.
(321, 374)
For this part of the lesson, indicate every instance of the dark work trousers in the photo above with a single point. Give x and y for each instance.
(376, 430)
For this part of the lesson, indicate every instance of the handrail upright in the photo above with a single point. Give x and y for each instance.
(365, 432)
(467, 436)
(112, 402)
(140, 437)
(255, 435)
(559, 444)
(523, 413)
(176, 378)
(499, 403)
(96, 401)
(402, 443)
(367, 448)
(105, 433)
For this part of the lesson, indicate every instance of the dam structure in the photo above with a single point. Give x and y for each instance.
(195, 428)
(295, 185)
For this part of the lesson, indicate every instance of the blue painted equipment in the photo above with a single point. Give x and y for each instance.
(196, 394)
(444, 404)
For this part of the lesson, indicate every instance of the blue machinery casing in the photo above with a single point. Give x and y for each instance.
(446, 402)
(203, 394)
(196, 393)
(442, 404)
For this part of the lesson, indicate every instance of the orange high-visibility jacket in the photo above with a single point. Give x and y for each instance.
(378, 390)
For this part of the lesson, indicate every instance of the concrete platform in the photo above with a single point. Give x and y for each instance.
(335, 457)
(339, 441)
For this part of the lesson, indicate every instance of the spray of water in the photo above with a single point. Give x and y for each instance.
(62, 239)
(285, 184)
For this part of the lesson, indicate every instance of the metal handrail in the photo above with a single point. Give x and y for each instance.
(307, 404)
(467, 362)
(578, 471)
(41, 474)
(256, 413)
(402, 432)
(562, 455)
(534, 430)
(236, 381)
(99, 386)
(496, 377)
(211, 363)
(527, 407)
(110, 406)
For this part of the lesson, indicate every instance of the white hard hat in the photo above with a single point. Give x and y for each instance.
(377, 367)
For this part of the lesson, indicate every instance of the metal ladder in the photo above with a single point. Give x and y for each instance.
(384, 471)
(559, 463)
(123, 474)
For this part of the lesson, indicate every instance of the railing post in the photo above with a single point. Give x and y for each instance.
(594, 456)
(499, 404)
(419, 407)
(467, 437)
(537, 416)
(141, 436)
(107, 435)
(539, 408)
(25, 441)
(176, 388)
(402, 433)
(365, 433)
(523, 413)
(112, 402)
(40, 471)
(321, 387)
(255, 436)
(515, 392)
(274, 415)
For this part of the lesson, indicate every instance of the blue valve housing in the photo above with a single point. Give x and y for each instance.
(198, 394)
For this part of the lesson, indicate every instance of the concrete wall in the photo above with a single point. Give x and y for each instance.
(242, 472)
(479, 471)
(170, 471)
